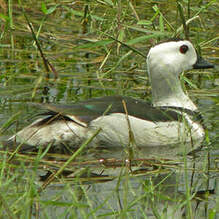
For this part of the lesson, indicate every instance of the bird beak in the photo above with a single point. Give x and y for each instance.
(202, 64)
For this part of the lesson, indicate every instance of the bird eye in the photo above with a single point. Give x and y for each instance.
(183, 49)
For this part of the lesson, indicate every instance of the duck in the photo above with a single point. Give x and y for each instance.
(170, 119)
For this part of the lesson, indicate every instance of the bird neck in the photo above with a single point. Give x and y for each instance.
(167, 91)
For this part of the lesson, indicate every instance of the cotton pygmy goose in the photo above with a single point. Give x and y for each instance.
(171, 119)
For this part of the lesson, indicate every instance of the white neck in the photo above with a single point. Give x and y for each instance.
(167, 90)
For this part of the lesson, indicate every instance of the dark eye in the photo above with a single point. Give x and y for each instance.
(183, 49)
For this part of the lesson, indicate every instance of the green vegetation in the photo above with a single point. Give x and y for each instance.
(82, 49)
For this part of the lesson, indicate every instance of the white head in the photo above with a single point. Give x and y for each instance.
(174, 56)
(165, 62)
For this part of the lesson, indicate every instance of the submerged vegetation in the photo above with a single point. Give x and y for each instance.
(66, 51)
